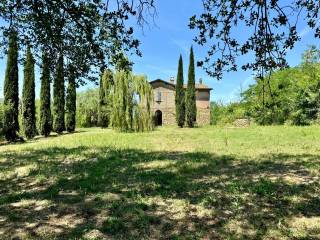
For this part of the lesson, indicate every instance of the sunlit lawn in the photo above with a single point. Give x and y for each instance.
(204, 183)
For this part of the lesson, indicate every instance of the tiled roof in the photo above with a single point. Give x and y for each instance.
(198, 85)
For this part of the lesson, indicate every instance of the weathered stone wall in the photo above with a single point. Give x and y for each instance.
(242, 122)
(169, 116)
(167, 105)
(203, 116)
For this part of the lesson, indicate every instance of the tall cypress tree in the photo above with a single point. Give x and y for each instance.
(180, 96)
(191, 108)
(71, 100)
(11, 91)
(58, 98)
(45, 98)
(28, 97)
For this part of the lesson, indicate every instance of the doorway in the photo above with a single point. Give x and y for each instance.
(158, 118)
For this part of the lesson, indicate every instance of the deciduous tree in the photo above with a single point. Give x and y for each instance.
(271, 26)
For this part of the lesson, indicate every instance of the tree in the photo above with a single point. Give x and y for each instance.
(89, 34)
(11, 91)
(88, 108)
(105, 98)
(295, 94)
(58, 98)
(71, 107)
(45, 98)
(180, 96)
(191, 108)
(272, 31)
(131, 103)
(28, 97)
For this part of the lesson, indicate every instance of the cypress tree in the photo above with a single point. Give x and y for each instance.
(28, 97)
(180, 96)
(11, 91)
(191, 108)
(71, 100)
(45, 98)
(58, 98)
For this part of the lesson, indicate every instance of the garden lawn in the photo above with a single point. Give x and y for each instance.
(202, 183)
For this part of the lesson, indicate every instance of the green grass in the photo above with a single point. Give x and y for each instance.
(204, 183)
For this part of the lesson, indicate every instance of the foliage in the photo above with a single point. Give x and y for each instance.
(180, 96)
(131, 103)
(291, 96)
(104, 98)
(90, 34)
(271, 26)
(127, 103)
(87, 108)
(11, 91)
(28, 97)
(191, 108)
(45, 124)
(71, 100)
(59, 98)
(222, 114)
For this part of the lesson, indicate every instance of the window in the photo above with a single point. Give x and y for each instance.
(158, 98)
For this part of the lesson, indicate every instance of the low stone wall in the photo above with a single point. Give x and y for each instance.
(242, 122)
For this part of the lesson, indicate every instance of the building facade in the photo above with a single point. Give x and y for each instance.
(164, 102)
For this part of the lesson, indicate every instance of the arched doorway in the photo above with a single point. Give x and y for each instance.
(158, 118)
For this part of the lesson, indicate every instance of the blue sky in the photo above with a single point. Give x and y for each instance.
(162, 43)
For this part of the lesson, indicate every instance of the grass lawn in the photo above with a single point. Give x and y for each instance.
(204, 183)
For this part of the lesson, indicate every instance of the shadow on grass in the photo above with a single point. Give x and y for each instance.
(131, 194)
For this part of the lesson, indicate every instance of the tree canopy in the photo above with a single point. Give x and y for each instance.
(89, 34)
(294, 94)
(271, 27)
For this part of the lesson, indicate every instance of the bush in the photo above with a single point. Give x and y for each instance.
(222, 114)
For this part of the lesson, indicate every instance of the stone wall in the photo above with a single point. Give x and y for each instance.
(167, 104)
(169, 116)
(203, 116)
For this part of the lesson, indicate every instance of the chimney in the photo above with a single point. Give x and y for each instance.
(172, 80)
(200, 81)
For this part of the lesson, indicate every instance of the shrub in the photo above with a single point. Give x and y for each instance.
(222, 114)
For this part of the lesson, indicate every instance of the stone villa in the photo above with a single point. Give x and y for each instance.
(164, 102)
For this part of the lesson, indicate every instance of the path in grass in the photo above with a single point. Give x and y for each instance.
(205, 183)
